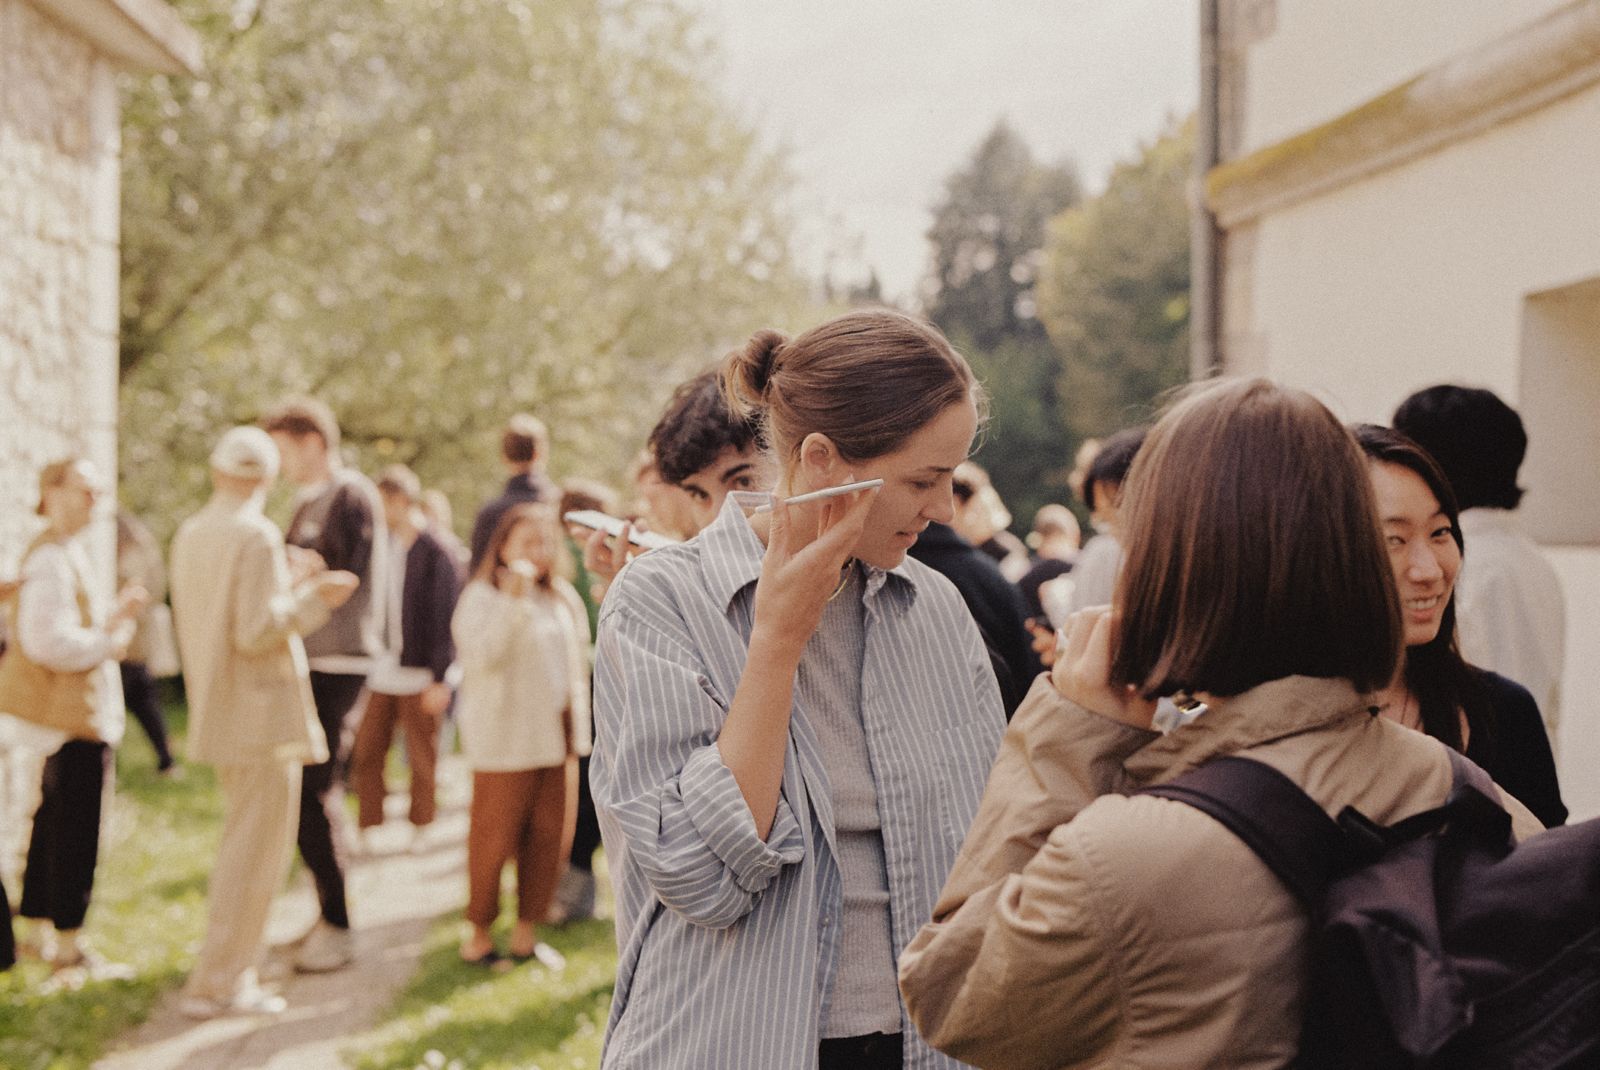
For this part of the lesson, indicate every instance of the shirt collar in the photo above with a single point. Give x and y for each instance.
(1270, 711)
(731, 553)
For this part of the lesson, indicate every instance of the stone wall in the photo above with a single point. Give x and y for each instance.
(59, 203)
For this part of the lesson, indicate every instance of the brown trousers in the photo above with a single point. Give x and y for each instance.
(527, 815)
(371, 751)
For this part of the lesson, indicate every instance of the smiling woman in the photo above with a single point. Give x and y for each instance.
(794, 722)
(1491, 719)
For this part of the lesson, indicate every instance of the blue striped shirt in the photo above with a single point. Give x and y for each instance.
(728, 944)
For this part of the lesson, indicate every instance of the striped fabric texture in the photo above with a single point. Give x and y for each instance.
(729, 944)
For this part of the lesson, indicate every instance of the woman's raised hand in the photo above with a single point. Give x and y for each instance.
(1082, 672)
(801, 569)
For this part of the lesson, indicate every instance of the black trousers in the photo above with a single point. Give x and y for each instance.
(320, 838)
(586, 838)
(875, 1051)
(140, 695)
(66, 834)
(8, 939)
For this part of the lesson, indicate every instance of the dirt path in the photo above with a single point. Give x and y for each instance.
(395, 896)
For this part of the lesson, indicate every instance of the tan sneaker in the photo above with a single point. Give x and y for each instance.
(328, 948)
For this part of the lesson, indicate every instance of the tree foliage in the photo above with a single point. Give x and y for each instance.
(433, 213)
(1114, 289)
(987, 235)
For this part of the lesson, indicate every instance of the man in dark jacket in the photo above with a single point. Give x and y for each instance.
(407, 688)
(523, 449)
(995, 603)
(335, 526)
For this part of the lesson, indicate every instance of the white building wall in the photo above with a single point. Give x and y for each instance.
(1418, 274)
(1422, 274)
(59, 204)
(1324, 58)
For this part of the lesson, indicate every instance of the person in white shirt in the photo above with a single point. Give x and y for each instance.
(522, 638)
(59, 681)
(407, 687)
(1094, 579)
(1510, 606)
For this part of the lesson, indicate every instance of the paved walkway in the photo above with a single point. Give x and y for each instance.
(395, 896)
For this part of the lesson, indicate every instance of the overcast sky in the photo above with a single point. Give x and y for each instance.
(877, 101)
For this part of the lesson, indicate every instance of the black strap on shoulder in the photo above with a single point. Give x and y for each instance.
(1283, 825)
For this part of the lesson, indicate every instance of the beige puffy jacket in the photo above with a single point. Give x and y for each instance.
(1082, 927)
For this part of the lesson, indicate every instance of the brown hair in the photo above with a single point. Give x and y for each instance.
(1253, 550)
(398, 479)
(525, 439)
(300, 417)
(535, 512)
(868, 380)
(581, 493)
(54, 475)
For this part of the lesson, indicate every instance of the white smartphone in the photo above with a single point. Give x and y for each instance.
(595, 520)
(826, 492)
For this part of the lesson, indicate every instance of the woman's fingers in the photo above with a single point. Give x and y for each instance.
(1082, 671)
(1075, 636)
(844, 518)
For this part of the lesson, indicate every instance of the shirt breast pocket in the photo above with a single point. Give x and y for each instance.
(966, 753)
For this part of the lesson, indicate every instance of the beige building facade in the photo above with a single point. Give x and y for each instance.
(59, 226)
(1405, 194)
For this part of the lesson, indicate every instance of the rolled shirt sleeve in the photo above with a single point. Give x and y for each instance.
(659, 779)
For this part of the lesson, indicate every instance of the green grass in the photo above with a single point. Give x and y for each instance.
(458, 1017)
(148, 911)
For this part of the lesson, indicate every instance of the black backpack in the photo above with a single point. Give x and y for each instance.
(1436, 941)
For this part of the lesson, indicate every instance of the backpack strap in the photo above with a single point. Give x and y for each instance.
(1283, 825)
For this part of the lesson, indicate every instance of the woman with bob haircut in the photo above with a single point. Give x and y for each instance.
(1492, 720)
(1087, 927)
(794, 723)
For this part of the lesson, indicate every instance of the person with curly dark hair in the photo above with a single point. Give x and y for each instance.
(704, 447)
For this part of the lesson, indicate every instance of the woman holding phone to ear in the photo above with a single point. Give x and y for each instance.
(795, 722)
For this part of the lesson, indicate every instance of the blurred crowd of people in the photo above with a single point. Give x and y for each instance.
(776, 692)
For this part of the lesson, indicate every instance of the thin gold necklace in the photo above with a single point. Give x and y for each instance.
(844, 578)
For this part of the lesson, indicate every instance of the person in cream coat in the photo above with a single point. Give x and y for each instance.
(240, 614)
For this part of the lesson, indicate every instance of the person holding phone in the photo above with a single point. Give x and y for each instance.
(794, 722)
(522, 638)
(1087, 926)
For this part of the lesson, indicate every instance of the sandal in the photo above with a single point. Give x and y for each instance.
(488, 960)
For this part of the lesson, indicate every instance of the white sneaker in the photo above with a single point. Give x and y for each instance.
(249, 1001)
(328, 948)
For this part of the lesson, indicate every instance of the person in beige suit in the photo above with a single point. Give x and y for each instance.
(1085, 926)
(240, 614)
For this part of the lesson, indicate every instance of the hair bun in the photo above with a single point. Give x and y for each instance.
(747, 371)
